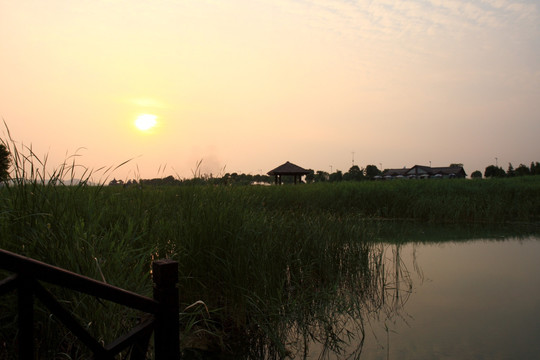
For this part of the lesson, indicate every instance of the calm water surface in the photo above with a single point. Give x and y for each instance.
(466, 300)
(472, 300)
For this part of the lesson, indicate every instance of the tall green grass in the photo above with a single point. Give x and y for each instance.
(252, 269)
(446, 200)
(55, 217)
(262, 269)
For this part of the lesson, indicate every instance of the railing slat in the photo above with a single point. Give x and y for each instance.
(58, 276)
(164, 307)
(69, 321)
(8, 284)
(139, 334)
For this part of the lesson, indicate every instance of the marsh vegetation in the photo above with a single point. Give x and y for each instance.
(264, 271)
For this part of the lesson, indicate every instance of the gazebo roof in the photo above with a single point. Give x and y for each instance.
(288, 169)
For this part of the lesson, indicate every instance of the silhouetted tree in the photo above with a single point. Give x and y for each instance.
(336, 176)
(476, 175)
(522, 170)
(321, 176)
(310, 177)
(510, 172)
(535, 168)
(354, 173)
(456, 165)
(115, 182)
(372, 171)
(5, 162)
(494, 171)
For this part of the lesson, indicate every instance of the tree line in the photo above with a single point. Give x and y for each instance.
(494, 171)
(355, 173)
(202, 179)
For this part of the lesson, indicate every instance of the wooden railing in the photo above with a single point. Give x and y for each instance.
(162, 310)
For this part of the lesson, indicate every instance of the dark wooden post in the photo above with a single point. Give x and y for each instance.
(25, 304)
(167, 331)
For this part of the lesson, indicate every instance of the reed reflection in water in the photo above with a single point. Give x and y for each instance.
(468, 300)
(383, 301)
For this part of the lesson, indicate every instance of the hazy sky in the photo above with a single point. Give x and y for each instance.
(246, 85)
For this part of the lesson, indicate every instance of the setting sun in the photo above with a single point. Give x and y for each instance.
(145, 122)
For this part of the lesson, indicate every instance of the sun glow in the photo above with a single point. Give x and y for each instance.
(146, 122)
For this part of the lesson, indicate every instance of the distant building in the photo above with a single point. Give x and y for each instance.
(288, 169)
(425, 172)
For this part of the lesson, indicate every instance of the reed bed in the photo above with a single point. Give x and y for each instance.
(245, 272)
(279, 266)
(446, 200)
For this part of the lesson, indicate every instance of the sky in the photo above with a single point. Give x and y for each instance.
(246, 85)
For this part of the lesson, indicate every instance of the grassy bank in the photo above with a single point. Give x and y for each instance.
(253, 260)
(454, 201)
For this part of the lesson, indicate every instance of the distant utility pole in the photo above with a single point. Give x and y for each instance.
(429, 163)
(496, 162)
(353, 158)
(380, 164)
(330, 169)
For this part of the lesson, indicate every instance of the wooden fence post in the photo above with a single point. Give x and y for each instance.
(167, 330)
(25, 304)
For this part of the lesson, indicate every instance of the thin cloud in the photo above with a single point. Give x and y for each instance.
(414, 17)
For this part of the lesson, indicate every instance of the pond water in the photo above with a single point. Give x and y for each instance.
(477, 299)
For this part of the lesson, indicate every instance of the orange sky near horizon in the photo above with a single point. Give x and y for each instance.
(246, 85)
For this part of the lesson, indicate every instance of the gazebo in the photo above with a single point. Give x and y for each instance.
(288, 169)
